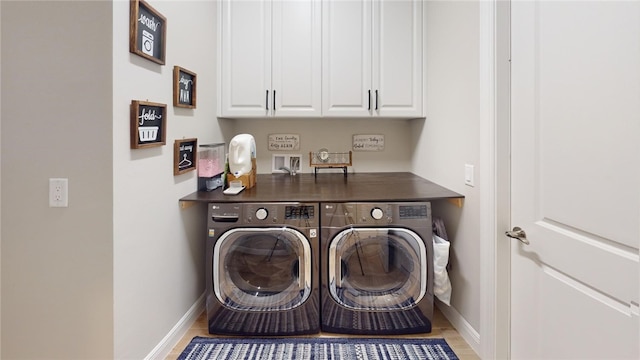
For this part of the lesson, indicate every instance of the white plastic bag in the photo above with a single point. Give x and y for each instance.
(441, 282)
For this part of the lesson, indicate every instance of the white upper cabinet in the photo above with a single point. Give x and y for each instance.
(245, 58)
(297, 59)
(372, 58)
(270, 58)
(346, 58)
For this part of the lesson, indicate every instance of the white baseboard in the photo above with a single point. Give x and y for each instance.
(468, 333)
(167, 344)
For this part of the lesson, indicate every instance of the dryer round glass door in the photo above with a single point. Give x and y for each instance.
(377, 268)
(262, 269)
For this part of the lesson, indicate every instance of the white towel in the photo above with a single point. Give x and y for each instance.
(441, 282)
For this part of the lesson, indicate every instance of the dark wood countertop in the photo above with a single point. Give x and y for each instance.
(333, 187)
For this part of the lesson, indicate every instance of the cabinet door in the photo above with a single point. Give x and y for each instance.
(296, 58)
(346, 55)
(245, 57)
(397, 58)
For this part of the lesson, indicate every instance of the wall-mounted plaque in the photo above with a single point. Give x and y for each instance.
(147, 31)
(279, 142)
(184, 88)
(185, 155)
(148, 124)
(368, 142)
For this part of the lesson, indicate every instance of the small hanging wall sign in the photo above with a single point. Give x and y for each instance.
(184, 88)
(280, 142)
(368, 142)
(148, 124)
(147, 32)
(185, 155)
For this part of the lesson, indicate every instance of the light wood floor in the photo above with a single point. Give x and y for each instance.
(441, 328)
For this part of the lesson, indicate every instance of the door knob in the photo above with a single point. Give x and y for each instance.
(518, 233)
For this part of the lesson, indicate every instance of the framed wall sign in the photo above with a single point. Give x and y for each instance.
(148, 124)
(185, 155)
(184, 88)
(367, 142)
(147, 31)
(284, 142)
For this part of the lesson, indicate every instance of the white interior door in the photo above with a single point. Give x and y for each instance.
(575, 179)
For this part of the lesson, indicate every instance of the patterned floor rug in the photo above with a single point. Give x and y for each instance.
(204, 348)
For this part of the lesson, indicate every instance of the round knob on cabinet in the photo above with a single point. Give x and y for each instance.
(377, 213)
(261, 214)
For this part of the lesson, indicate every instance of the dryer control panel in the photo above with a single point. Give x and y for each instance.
(298, 214)
(378, 214)
(413, 211)
(226, 216)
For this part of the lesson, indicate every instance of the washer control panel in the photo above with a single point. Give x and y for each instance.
(262, 213)
(377, 213)
(374, 213)
(419, 211)
(299, 214)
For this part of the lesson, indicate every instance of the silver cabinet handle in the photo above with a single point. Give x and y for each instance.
(266, 101)
(518, 233)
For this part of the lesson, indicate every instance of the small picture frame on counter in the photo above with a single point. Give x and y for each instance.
(185, 155)
(148, 124)
(184, 88)
(147, 32)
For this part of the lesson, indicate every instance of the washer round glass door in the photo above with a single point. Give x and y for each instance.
(377, 268)
(262, 269)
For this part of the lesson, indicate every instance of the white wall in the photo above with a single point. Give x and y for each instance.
(109, 276)
(449, 138)
(0, 192)
(57, 263)
(336, 136)
(159, 248)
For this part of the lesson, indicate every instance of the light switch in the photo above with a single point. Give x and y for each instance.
(468, 174)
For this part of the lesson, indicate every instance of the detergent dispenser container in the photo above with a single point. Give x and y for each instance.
(211, 162)
(242, 160)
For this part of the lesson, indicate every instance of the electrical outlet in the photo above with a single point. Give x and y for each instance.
(58, 192)
(295, 162)
(286, 163)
